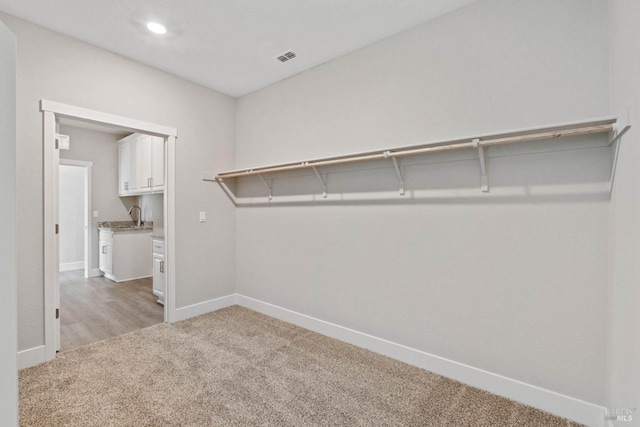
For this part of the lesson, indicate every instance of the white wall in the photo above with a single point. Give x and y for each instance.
(8, 302)
(101, 149)
(623, 361)
(512, 281)
(58, 68)
(72, 216)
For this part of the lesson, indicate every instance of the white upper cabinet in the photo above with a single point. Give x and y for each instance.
(127, 184)
(141, 165)
(157, 164)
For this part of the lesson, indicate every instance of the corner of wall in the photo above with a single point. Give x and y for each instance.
(623, 295)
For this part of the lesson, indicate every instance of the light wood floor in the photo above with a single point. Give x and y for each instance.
(96, 309)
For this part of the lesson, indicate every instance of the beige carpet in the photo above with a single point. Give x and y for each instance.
(236, 367)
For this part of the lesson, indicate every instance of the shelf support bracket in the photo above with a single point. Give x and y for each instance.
(616, 138)
(618, 135)
(269, 185)
(396, 164)
(226, 190)
(322, 181)
(483, 165)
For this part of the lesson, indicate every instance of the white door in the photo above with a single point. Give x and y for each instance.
(8, 302)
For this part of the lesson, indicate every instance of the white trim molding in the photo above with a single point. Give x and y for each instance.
(70, 266)
(95, 272)
(194, 310)
(51, 255)
(169, 210)
(546, 400)
(528, 394)
(65, 110)
(32, 357)
(51, 111)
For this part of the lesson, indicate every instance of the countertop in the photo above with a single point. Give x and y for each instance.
(118, 226)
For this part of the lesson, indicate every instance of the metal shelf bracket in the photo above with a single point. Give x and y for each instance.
(323, 181)
(483, 166)
(269, 185)
(398, 172)
(617, 137)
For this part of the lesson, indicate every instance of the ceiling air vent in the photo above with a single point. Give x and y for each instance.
(285, 56)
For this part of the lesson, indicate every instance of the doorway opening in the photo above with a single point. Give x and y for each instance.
(158, 207)
(75, 203)
(99, 299)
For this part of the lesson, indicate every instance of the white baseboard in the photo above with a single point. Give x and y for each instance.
(546, 400)
(35, 356)
(204, 307)
(95, 272)
(70, 266)
(126, 279)
(31, 357)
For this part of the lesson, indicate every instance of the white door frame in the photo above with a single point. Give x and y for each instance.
(52, 111)
(88, 241)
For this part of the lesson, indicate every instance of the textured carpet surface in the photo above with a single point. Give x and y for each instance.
(236, 367)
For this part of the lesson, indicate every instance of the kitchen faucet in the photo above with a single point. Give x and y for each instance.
(139, 213)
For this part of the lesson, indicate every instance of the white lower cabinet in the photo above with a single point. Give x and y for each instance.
(158, 269)
(105, 259)
(125, 255)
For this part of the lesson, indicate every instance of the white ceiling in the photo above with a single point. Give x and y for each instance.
(228, 45)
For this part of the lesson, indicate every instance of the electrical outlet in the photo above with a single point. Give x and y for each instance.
(203, 217)
(95, 214)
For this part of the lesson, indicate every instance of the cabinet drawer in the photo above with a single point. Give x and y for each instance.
(106, 236)
(158, 247)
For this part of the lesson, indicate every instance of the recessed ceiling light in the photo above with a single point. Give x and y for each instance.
(154, 27)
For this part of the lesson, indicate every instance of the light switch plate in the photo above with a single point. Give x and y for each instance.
(95, 214)
(203, 217)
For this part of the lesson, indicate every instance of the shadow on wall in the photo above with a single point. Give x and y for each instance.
(572, 169)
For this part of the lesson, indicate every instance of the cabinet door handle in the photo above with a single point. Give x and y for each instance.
(161, 266)
(126, 185)
(104, 250)
(151, 182)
